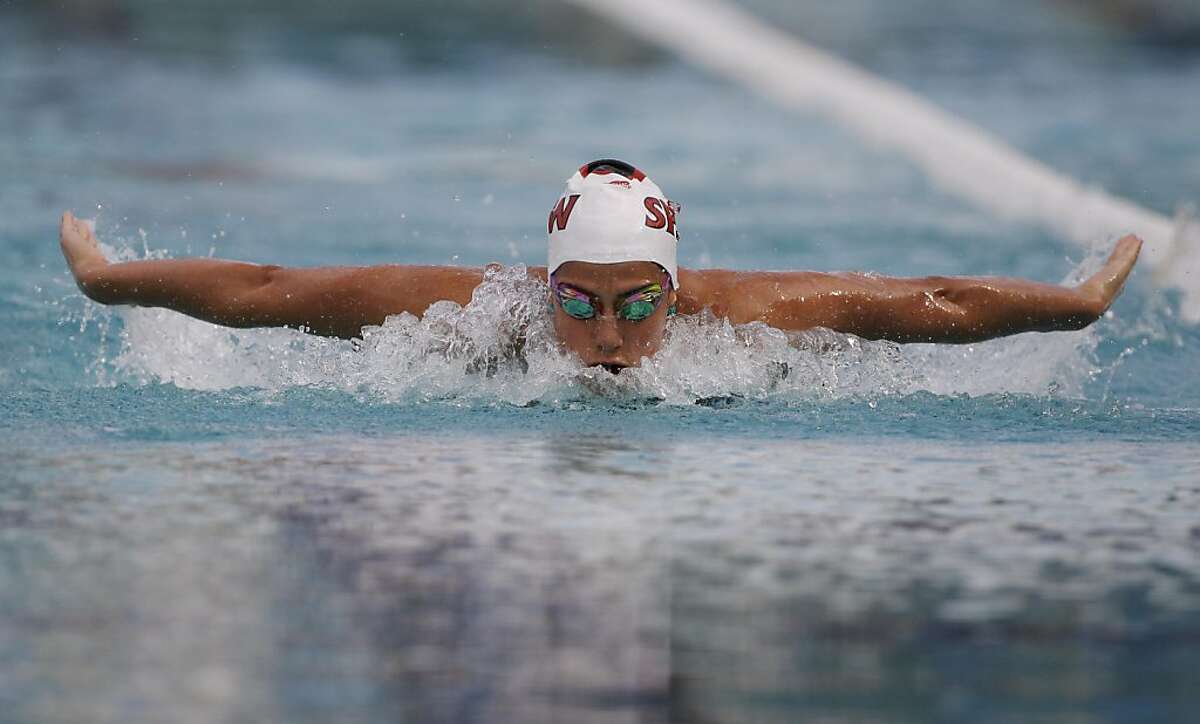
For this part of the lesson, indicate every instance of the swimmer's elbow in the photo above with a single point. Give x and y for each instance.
(314, 303)
(271, 275)
(281, 294)
(933, 310)
(255, 300)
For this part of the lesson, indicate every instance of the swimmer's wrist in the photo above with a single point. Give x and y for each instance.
(89, 271)
(1092, 301)
(99, 284)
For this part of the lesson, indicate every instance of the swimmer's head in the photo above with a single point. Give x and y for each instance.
(612, 245)
(609, 213)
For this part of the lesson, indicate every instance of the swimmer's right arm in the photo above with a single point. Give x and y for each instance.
(329, 301)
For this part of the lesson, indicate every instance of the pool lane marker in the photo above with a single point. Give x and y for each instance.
(960, 158)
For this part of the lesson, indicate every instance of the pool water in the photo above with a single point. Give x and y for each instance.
(199, 524)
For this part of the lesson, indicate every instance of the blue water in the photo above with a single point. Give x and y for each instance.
(204, 525)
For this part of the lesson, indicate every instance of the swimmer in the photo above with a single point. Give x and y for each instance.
(612, 284)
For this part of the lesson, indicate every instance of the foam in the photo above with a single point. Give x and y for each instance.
(501, 348)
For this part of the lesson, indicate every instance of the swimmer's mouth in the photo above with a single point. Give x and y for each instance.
(613, 368)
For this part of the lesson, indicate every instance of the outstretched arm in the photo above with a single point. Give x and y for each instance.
(930, 309)
(330, 301)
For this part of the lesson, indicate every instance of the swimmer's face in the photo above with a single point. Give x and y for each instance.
(607, 339)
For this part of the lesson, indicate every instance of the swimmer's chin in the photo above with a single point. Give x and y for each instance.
(610, 367)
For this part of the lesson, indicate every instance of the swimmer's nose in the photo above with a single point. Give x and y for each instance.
(608, 336)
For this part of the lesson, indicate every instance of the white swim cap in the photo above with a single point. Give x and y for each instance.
(609, 213)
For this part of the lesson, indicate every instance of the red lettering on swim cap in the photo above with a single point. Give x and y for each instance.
(658, 218)
(662, 215)
(561, 213)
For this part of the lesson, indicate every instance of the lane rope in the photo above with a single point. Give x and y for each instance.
(960, 158)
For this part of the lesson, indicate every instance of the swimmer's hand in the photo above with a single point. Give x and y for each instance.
(82, 251)
(1103, 287)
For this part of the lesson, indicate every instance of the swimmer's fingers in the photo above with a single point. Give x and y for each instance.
(1105, 286)
(81, 250)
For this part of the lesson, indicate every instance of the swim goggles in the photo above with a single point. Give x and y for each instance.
(636, 307)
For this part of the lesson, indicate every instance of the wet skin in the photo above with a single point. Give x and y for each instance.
(606, 339)
(340, 301)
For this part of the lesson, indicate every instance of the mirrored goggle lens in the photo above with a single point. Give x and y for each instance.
(637, 311)
(577, 308)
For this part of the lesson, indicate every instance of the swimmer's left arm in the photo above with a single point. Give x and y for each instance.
(929, 309)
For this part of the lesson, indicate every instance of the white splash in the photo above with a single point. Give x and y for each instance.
(501, 347)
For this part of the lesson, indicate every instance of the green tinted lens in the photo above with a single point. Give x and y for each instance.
(637, 311)
(578, 308)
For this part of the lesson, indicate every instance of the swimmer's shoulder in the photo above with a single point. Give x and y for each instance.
(738, 294)
(708, 288)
